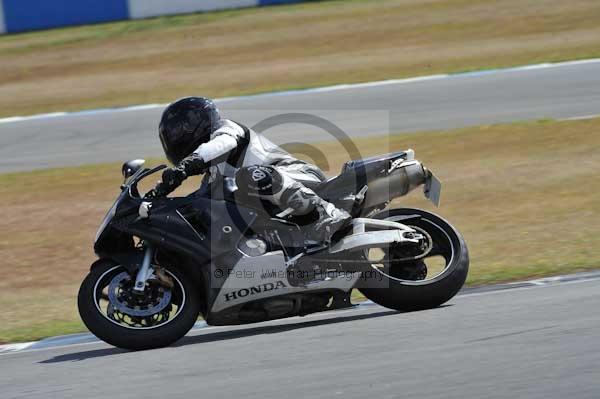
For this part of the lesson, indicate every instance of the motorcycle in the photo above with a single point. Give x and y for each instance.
(233, 259)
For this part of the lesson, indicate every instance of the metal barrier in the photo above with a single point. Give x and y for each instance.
(27, 15)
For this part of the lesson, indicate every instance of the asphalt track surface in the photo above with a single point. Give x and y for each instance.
(540, 342)
(528, 342)
(556, 91)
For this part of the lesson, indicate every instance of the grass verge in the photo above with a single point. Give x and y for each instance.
(293, 46)
(525, 196)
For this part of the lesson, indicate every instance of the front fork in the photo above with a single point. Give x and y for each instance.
(146, 269)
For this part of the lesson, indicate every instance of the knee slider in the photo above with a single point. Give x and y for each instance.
(301, 199)
(263, 180)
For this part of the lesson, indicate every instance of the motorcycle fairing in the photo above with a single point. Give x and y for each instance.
(266, 276)
(199, 227)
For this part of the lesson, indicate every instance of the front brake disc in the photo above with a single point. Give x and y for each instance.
(137, 310)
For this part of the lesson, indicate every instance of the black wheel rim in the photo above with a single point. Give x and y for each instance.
(421, 271)
(116, 301)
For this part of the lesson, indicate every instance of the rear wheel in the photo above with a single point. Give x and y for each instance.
(120, 316)
(410, 278)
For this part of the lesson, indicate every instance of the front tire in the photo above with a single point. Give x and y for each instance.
(127, 335)
(405, 285)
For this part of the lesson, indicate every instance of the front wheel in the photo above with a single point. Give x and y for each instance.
(120, 316)
(403, 281)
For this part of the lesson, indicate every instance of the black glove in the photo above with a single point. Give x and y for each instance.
(193, 165)
(157, 192)
(173, 177)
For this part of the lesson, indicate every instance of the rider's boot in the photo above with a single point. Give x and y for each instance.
(329, 219)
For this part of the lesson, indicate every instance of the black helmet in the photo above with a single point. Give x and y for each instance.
(185, 124)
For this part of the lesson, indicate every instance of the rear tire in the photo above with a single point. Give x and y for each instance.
(407, 295)
(136, 338)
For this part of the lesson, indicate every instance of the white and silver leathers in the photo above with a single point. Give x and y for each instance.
(259, 151)
(255, 149)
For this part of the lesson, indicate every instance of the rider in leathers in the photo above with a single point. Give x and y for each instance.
(196, 139)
